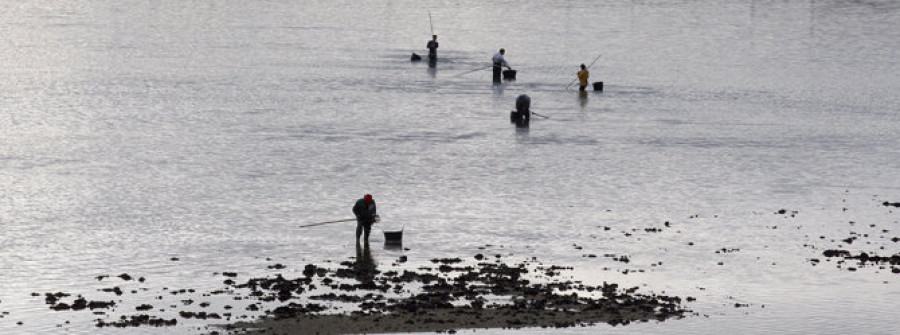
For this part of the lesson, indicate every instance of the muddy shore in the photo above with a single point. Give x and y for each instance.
(360, 295)
(357, 297)
(448, 320)
(451, 298)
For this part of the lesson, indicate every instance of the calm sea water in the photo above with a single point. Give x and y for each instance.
(134, 132)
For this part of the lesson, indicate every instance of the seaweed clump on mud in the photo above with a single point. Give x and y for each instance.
(869, 238)
(446, 298)
(357, 297)
(863, 259)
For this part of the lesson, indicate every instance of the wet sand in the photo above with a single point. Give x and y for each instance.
(440, 320)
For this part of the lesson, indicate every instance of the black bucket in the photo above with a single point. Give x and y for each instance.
(415, 57)
(509, 74)
(393, 237)
(598, 86)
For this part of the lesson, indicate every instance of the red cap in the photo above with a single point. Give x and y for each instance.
(368, 198)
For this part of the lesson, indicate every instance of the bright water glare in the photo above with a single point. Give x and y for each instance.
(174, 140)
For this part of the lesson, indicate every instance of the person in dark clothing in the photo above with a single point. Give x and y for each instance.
(522, 115)
(432, 50)
(364, 209)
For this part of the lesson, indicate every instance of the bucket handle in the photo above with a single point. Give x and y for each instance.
(401, 228)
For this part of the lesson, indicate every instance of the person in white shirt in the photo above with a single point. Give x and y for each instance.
(499, 63)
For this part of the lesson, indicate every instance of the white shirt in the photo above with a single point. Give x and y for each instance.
(498, 58)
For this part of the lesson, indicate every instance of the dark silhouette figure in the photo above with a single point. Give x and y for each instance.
(432, 51)
(366, 215)
(522, 115)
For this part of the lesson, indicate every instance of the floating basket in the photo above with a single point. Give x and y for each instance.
(415, 57)
(598, 86)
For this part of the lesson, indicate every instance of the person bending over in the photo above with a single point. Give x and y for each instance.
(366, 215)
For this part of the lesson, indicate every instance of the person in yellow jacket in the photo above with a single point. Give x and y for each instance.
(583, 78)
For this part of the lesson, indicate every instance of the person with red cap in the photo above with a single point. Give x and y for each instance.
(364, 209)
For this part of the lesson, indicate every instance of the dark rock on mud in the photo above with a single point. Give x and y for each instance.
(199, 315)
(79, 303)
(137, 321)
(116, 290)
(864, 258)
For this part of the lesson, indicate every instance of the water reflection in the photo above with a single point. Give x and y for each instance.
(204, 159)
(582, 100)
(498, 88)
(364, 266)
(432, 71)
(393, 246)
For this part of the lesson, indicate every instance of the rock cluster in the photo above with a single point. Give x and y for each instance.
(447, 295)
(519, 294)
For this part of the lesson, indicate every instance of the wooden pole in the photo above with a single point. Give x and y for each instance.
(326, 222)
(480, 68)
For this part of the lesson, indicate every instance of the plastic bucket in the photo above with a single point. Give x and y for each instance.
(509, 74)
(393, 237)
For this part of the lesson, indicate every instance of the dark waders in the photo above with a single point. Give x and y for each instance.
(363, 229)
(522, 115)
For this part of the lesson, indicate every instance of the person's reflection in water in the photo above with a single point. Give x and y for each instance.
(582, 99)
(498, 89)
(364, 266)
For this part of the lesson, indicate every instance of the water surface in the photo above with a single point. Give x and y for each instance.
(135, 132)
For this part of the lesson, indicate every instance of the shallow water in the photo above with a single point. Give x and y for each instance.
(136, 132)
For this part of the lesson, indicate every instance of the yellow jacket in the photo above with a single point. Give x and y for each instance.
(583, 77)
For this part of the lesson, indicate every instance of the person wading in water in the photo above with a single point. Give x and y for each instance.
(583, 76)
(499, 63)
(522, 115)
(432, 51)
(366, 215)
